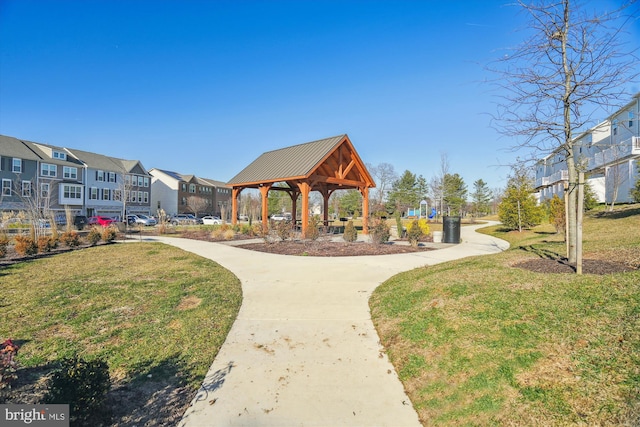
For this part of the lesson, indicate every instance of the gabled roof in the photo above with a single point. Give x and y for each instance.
(333, 158)
(190, 178)
(97, 161)
(13, 147)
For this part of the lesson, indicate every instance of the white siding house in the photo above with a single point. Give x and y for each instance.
(609, 153)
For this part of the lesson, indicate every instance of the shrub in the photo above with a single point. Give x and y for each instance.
(424, 226)
(25, 245)
(229, 234)
(380, 231)
(313, 230)
(94, 236)
(83, 385)
(414, 233)
(70, 239)
(247, 229)
(4, 242)
(557, 214)
(8, 364)
(350, 232)
(109, 234)
(283, 229)
(46, 243)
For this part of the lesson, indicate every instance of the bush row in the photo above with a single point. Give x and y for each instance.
(26, 245)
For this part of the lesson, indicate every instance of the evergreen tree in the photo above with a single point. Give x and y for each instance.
(407, 192)
(519, 208)
(590, 201)
(350, 203)
(480, 198)
(454, 194)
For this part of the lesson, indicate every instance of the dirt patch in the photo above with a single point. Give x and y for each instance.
(589, 266)
(189, 303)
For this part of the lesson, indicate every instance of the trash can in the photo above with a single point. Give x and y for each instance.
(451, 229)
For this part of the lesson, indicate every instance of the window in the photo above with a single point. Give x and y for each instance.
(59, 155)
(127, 180)
(69, 172)
(17, 166)
(6, 187)
(192, 188)
(93, 193)
(615, 127)
(117, 195)
(630, 119)
(140, 181)
(72, 191)
(48, 170)
(44, 190)
(146, 197)
(140, 196)
(146, 181)
(100, 176)
(26, 188)
(106, 194)
(111, 176)
(184, 187)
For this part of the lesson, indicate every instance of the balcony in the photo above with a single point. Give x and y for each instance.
(542, 182)
(562, 175)
(627, 148)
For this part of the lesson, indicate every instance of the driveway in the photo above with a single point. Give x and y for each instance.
(303, 350)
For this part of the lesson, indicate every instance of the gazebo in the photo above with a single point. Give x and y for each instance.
(325, 165)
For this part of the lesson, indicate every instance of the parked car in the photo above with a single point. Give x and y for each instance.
(141, 219)
(104, 221)
(78, 220)
(281, 217)
(211, 220)
(243, 218)
(184, 219)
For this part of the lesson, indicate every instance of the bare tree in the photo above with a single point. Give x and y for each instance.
(385, 175)
(436, 185)
(197, 204)
(573, 63)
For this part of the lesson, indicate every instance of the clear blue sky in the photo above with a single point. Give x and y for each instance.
(205, 87)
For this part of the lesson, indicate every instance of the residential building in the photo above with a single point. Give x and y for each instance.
(609, 154)
(114, 186)
(176, 193)
(58, 179)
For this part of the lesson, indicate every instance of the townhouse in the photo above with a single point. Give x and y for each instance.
(55, 178)
(176, 193)
(609, 154)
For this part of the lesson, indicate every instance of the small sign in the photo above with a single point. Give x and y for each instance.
(34, 415)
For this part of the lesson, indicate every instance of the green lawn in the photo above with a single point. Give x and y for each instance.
(146, 308)
(480, 342)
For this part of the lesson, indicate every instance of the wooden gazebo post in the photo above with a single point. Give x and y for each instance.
(235, 192)
(365, 209)
(304, 191)
(264, 192)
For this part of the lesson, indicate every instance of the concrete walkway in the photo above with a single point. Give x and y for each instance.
(303, 350)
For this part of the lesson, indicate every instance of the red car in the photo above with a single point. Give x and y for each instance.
(104, 221)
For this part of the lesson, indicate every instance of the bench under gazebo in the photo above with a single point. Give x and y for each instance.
(325, 166)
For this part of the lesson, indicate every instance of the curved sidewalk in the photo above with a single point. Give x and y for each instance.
(303, 350)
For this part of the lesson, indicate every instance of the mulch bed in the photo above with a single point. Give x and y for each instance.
(331, 249)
